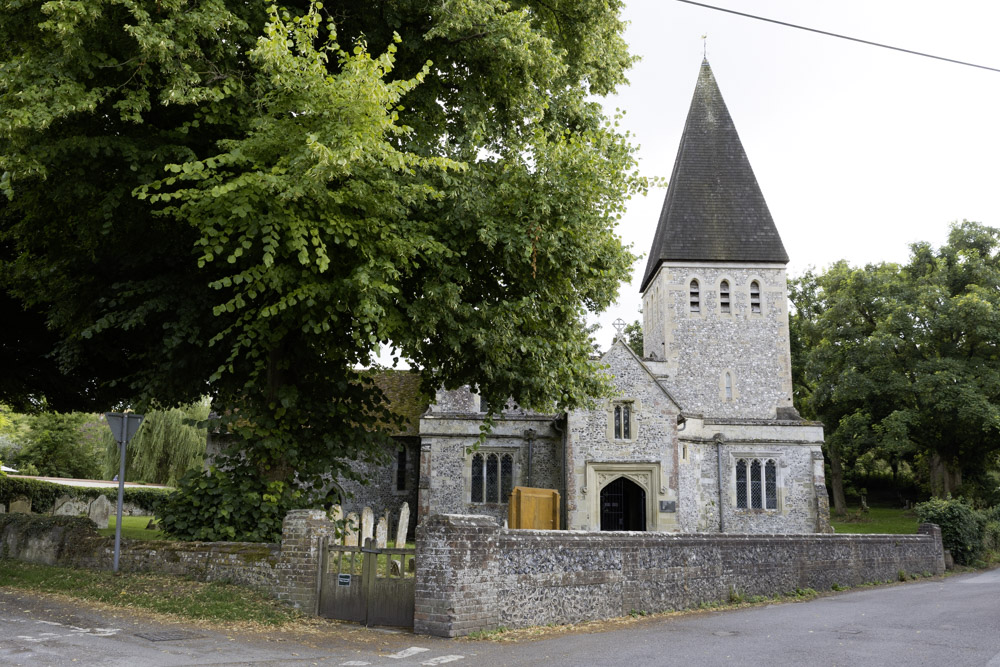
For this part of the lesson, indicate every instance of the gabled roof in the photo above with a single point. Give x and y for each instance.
(635, 357)
(714, 210)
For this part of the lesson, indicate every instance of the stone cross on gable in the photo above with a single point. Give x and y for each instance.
(619, 326)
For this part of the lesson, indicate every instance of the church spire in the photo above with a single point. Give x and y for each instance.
(714, 210)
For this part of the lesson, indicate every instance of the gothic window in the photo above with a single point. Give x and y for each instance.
(724, 296)
(695, 297)
(623, 421)
(756, 484)
(729, 386)
(492, 477)
(755, 297)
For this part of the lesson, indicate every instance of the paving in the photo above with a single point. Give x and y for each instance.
(951, 621)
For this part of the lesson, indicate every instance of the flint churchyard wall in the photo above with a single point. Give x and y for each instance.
(472, 575)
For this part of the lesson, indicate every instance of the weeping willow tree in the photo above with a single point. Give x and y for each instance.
(168, 445)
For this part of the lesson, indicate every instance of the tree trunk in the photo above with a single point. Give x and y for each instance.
(837, 481)
(944, 479)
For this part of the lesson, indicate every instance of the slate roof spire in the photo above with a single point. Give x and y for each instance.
(714, 210)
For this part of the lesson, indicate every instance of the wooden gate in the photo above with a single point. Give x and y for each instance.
(367, 585)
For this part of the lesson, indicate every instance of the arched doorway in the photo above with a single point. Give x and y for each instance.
(623, 505)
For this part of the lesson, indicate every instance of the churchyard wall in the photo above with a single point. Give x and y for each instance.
(473, 575)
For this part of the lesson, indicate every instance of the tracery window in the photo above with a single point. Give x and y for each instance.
(756, 483)
(492, 479)
(755, 297)
(695, 297)
(724, 296)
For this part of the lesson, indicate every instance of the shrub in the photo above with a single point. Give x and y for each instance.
(961, 526)
(44, 494)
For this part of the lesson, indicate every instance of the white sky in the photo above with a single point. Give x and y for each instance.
(859, 150)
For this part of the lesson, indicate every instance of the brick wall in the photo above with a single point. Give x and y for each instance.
(472, 575)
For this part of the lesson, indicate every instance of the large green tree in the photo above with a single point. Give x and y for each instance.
(902, 362)
(248, 201)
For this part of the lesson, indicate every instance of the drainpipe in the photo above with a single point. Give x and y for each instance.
(718, 453)
(563, 512)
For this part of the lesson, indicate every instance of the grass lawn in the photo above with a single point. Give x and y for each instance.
(133, 527)
(876, 520)
(218, 602)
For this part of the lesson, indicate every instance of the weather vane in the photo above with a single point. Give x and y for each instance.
(619, 326)
(704, 45)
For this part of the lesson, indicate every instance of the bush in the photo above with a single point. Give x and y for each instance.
(44, 494)
(961, 527)
(242, 506)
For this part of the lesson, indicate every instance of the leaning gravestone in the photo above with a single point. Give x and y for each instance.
(100, 511)
(367, 525)
(351, 530)
(404, 524)
(20, 505)
(66, 505)
(381, 533)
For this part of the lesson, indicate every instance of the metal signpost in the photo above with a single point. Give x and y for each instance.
(123, 426)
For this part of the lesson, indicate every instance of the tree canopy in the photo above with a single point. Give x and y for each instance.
(247, 201)
(902, 362)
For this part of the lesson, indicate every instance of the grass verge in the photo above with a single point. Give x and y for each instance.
(133, 527)
(216, 601)
(877, 520)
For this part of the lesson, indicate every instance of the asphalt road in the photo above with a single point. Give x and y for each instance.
(952, 622)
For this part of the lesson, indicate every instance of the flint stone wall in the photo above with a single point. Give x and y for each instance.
(473, 575)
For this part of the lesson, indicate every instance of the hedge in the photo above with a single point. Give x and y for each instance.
(44, 494)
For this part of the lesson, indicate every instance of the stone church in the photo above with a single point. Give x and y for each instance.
(701, 435)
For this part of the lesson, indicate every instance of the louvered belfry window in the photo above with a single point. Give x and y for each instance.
(695, 297)
(755, 297)
(724, 296)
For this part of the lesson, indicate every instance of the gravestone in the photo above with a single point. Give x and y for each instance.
(66, 505)
(404, 524)
(100, 511)
(351, 530)
(381, 533)
(367, 525)
(20, 505)
(3, 509)
(395, 568)
(335, 513)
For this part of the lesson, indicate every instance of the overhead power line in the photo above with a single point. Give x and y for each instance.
(839, 36)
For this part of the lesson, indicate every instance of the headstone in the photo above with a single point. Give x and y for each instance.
(20, 505)
(404, 524)
(351, 530)
(411, 564)
(66, 505)
(367, 524)
(100, 511)
(335, 513)
(381, 533)
(3, 510)
(153, 524)
(395, 568)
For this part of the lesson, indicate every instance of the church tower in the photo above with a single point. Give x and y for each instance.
(715, 313)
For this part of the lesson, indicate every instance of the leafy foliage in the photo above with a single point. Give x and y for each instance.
(168, 444)
(249, 201)
(44, 494)
(242, 507)
(961, 527)
(63, 445)
(901, 362)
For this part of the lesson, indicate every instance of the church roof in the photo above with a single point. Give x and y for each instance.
(714, 210)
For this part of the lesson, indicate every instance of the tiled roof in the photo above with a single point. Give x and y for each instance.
(714, 210)
(402, 388)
